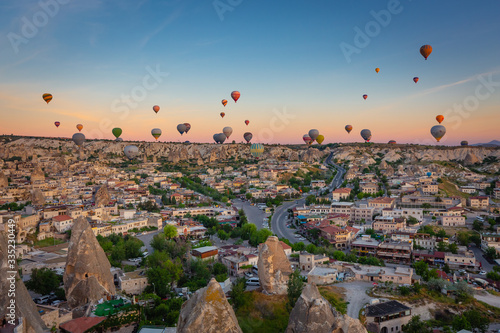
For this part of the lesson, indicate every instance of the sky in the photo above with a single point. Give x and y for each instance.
(299, 65)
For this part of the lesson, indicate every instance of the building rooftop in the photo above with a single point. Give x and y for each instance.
(133, 275)
(385, 309)
(322, 271)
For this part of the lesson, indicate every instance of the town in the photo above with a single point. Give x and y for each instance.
(402, 237)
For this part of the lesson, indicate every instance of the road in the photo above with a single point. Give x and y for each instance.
(478, 253)
(147, 237)
(254, 214)
(339, 177)
(356, 296)
(279, 219)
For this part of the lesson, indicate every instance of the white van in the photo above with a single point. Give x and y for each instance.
(253, 282)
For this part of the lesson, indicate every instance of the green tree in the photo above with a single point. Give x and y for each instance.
(222, 235)
(463, 238)
(476, 320)
(248, 196)
(311, 248)
(476, 225)
(426, 205)
(299, 246)
(295, 286)
(132, 247)
(416, 325)
(43, 281)
(453, 248)
(170, 231)
(460, 323)
(491, 253)
(238, 295)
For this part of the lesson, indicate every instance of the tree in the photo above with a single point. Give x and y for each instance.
(238, 295)
(426, 205)
(477, 320)
(311, 248)
(453, 248)
(43, 281)
(412, 220)
(491, 253)
(170, 231)
(463, 238)
(222, 235)
(298, 247)
(476, 225)
(460, 323)
(295, 286)
(415, 325)
(248, 196)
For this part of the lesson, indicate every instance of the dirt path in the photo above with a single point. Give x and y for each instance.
(355, 294)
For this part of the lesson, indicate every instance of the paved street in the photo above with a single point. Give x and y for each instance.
(356, 296)
(280, 217)
(254, 214)
(147, 237)
(478, 253)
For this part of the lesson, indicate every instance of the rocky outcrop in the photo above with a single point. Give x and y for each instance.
(208, 311)
(37, 197)
(102, 197)
(274, 267)
(24, 306)
(471, 159)
(314, 314)
(37, 174)
(4, 180)
(87, 277)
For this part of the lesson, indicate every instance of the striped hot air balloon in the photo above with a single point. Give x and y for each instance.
(47, 97)
(257, 150)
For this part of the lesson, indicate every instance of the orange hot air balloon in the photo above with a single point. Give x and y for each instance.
(224, 102)
(222, 114)
(440, 118)
(415, 79)
(377, 69)
(47, 97)
(365, 96)
(57, 123)
(79, 127)
(247, 122)
(235, 95)
(426, 51)
(156, 108)
(348, 128)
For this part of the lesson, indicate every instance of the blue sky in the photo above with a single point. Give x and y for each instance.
(279, 55)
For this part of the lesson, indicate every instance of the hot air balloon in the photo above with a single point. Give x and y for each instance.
(156, 108)
(219, 137)
(79, 127)
(320, 139)
(348, 128)
(366, 134)
(131, 152)
(227, 131)
(247, 136)
(47, 97)
(365, 96)
(257, 150)
(415, 79)
(156, 133)
(429, 174)
(188, 127)
(235, 95)
(392, 142)
(377, 69)
(438, 132)
(313, 134)
(307, 139)
(116, 132)
(464, 143)
(57, 123)
(222, 114)
(119, 140)
(439, 118)
(425, 51)
(78, 139)
(247, 122)
(224, 102)
(181, 128)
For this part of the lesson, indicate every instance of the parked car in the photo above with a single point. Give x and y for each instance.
(42, 299)
(482, 273)
(57, 302)
(248, 275)
(253, 282)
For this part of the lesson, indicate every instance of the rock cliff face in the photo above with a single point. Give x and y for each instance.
(4, 180)
(87, 277)
(37, 174)
(274, 267)
(37, 197)
(102, 197)
(208, 311)
(25, 308)
(313, 314)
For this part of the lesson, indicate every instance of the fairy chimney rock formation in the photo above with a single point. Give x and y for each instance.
(87, 277)
(4, 180)
(37, 174)
(37, 197)
(102, 197)
(208, 311)
(274, 267)
(314, 314)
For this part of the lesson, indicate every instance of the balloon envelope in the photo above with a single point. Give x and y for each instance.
(348, 128)
(257, 149)
(57, 123)
(392, 142)
(131, 152)
(224, 102)
(156, 133)
(222, 114)
(78, 139)
(429, 174)
(119, 140)
(247, 122)
(307, 139)
(438, 132)
(116, 132)
(377, 69)
(181, 128)
(464, 143)
(313, 134)
(366, 134)
(156, 108)
(320, 139)
(227, 131)
(235, 95)
(220, 137)
(79, 127)
(248, 136)
(188, 127)
(47, 97)
(365, 96)
(439, 118)
(415, 79)
(425, 51)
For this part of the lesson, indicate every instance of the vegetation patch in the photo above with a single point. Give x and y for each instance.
(336, 299)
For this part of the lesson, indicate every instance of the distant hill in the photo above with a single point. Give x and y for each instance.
(494, 143)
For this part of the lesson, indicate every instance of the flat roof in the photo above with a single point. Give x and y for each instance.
(385, 308)
(322, 271)
(205, 249)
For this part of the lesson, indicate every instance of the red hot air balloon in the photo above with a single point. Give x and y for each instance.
(235, 95)
(415, 79)
(222, 114)
(365, 96)
(247, 122)
(224, 102)
(439, 118)
(426, 51)
(57, 123)
(156, 108)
